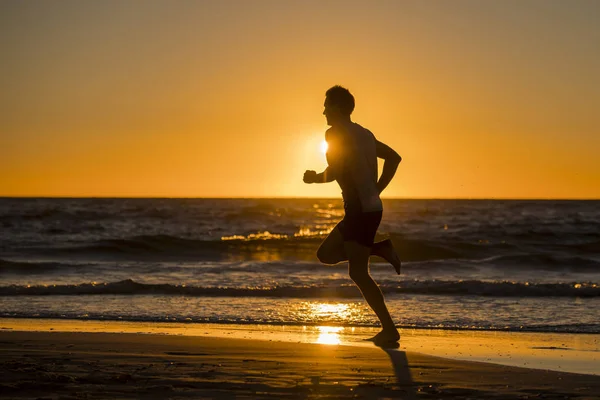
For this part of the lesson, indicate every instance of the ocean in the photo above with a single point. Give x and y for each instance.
(510, 265)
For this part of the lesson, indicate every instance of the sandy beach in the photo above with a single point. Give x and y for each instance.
(73, 365)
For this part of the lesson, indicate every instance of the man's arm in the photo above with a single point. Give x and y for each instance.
(390, 164)
(324, 177)
(328, 175)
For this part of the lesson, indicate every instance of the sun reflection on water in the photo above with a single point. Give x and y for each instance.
(328, 313)
(339, 310)
(329, 334)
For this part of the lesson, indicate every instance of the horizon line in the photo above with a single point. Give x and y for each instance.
(302, 198)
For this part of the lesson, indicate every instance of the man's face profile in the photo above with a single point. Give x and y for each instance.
(331, 112)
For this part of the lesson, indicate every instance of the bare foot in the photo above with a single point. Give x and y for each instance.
(385, 336)
(390, 255)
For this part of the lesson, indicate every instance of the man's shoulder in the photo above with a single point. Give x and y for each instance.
(360, 133)
(351, 132)
(362, 129)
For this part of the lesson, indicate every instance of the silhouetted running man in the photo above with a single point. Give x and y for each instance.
(352, 161)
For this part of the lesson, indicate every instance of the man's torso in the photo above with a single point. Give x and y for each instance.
(352, 154)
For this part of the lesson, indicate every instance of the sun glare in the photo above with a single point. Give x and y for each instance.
(324, 146)
(329, 334)
(329, 309)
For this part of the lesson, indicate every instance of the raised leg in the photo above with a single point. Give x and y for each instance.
(332, 250)
(385, 249)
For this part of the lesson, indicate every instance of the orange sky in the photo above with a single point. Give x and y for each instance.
(224, 99)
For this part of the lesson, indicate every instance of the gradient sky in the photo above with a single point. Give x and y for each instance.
(482, 99)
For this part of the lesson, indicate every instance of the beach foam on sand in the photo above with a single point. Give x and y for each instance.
(132, 365)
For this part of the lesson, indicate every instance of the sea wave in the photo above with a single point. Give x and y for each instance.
(32, 267)
(303, 245)
(545, 261)
(300, 246)
(429, 287)
(169, 247)
(277, 259)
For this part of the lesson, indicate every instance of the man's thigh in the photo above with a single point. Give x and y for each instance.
(331, 250)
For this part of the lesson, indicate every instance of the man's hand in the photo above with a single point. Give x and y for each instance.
(310, 176)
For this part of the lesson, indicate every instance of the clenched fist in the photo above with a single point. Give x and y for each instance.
(310, 176)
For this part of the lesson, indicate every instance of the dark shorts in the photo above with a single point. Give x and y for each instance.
(360, 227)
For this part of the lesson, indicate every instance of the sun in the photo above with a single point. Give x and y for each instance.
(324, 146)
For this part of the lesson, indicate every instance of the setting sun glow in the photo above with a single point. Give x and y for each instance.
(324, 146)
(484, 118)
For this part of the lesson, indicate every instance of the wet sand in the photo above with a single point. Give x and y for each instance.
(564, 352)
(157, 366)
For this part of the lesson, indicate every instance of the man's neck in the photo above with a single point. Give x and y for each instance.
(341, 122)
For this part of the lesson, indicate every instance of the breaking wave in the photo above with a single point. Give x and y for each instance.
(429, 287)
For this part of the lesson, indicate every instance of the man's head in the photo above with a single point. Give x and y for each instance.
(339, 104)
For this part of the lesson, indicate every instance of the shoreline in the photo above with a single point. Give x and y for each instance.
(129, 365)
(532, 331)
(566, 352)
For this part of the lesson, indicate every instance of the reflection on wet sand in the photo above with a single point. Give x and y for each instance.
(329, 335)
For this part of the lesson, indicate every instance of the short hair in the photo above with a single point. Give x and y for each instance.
(342, 98)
